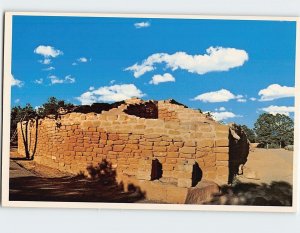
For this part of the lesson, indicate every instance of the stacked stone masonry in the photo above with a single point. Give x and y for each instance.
(186, 145)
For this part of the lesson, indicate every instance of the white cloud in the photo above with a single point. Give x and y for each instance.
(252, 99)
(49, 68)
(156, 79)
(221, 109)
(222, 95)
(285, 110)
(142, 24)
(70, 79)
(47, 52)
(46, 61)
(91, 88)
(139, 70)
(56, 80)
(39, 81)
(219, 116)
(82, 59)
(275, 91)
(241, 100)
(15, 82)
(110, 94)
(17, 101)
(215, 59)
(112, 81)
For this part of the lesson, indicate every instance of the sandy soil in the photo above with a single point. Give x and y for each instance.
(267, 181)
(270, 165)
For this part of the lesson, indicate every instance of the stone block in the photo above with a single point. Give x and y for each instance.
(176, 195)
(186, 156)
(221, 127)
(79, 149)
(222, 163)
(167, 167)
(143, 175)
(221, 150)
(127, 150)
(159, 154)
(201, 154)
(113, 137)
(118, 148)
(173, 154)
(222, 142)
(222, 170)
(162, 143)
(189, 143)
(152, 136)
(159, 148)
(132, 146)
(222, 156)
(205, 128)
(171, 160)
(146, 153)
(118, 142)
(205, 143)
(203, 192)
(178, 144)
(185, 183)
(187, 150)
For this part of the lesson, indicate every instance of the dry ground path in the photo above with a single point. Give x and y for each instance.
(272, 186)
(47, 184)
(270, 165)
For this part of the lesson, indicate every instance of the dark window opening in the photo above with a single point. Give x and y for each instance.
(145, 110)
(97, 107)
(156, 171)
(196, 174)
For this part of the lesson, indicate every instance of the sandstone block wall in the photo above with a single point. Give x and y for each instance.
(166, 142)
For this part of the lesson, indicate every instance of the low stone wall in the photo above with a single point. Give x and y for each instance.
(180, 148)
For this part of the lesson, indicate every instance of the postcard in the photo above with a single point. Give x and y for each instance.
(139, 111)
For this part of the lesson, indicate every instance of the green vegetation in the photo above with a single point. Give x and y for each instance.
(29, 115)
(274, 131)
(51, 107)
(250, 133)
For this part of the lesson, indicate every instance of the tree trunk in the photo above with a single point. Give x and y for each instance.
(25, 139)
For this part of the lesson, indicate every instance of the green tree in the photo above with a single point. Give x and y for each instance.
(274, 129)
(28, 115)
(51, 107)
(14, 119)
(25, 115)
(250, 133)
(19, 114)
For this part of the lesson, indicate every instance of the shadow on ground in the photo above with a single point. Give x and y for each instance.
(100, 187)
(274, 194)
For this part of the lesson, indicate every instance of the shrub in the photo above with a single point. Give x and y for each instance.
(289, 147)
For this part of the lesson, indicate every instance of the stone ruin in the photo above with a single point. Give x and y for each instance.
(162, 147)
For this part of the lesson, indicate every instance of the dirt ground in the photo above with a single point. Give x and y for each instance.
(267, 181)
(30, 181)
(269, 165)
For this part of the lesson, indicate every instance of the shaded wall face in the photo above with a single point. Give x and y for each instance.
(131, 144)
(147, 110)
(238, 151)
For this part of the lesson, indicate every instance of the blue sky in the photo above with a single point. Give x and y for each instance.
(235, 69)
